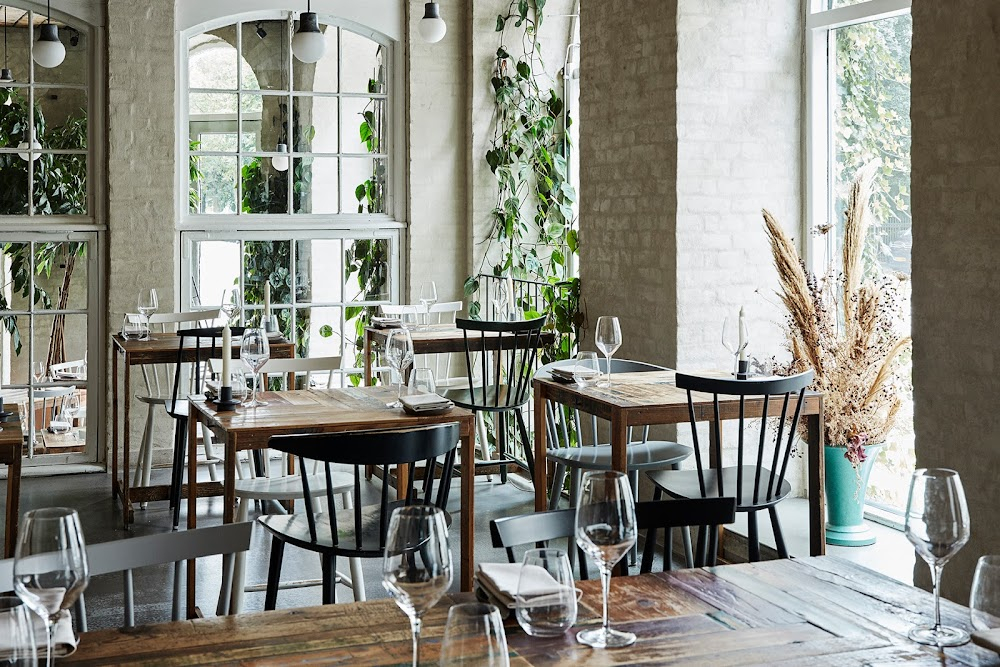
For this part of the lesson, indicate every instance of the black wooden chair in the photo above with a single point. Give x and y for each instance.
(537, 529)
(360, 531)
(707, 514)
(503, 384)
(758, 482)
(207, 343)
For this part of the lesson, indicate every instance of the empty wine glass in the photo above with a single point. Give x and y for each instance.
(17, 629)
(735, 338)
(984, 599)
(254, 351)
(608, 339)
(545, 605)
(501, 303)
(428, 297)
(71, 410)
(474, 635)
(399, 354)
(39, 370)
(50, 565)
(605, 530)
(422, 380)
(587, 368)
(232, 303)
(417, 568)
(937, 524)
(147, 304)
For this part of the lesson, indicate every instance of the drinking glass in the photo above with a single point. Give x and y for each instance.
(731, 341)
(545, 605)
(71, 409)
(984, 600)
(416, 567)
(422, 380)
(608, 339)
(474, 635)
(232, 303)
(428, 297)
(937, 524)
(40, 371)
(501, 303)
(17, 627)
(399, 354)
(254, 351)
(605, 530)
(587, 368)
(148, 303)
(409, 318)
(50, 565)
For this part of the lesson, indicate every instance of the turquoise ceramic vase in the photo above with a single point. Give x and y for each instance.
(845, 498)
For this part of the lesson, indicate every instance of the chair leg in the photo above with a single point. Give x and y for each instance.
(329, 579)
(358, 579)
(753, 539)
(648, 549)
(526, 444)
(274, 573)
(206, 443)
(713, 545)
(239, 564)
(144, 460)
(177, 475)
(779, 540)
(558, 480)
(501, 423)
(701, 555)
(633, 480)
(574, 485)
(688, 552)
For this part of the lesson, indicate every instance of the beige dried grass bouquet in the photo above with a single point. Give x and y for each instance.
(845, 328)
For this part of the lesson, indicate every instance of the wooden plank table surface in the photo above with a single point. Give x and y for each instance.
(159, 349)
(11, 444)
(650, 398)
(812, 611)
(319, 411)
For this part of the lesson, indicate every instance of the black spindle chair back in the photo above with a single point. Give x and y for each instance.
(705, 513)
(538, 528)
(506, 352)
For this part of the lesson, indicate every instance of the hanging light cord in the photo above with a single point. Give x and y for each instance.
(48, 10)
(5, 36)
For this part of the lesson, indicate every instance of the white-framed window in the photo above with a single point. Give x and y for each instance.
(858, 112)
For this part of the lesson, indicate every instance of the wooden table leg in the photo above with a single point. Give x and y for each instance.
(817, 494)
(468, 528)
(114, 425)
(402, 478)
(619, 463)
(13, 507)
(367, 356)
(715, 431)
(192, 500)
(127, 509)
(541, 467)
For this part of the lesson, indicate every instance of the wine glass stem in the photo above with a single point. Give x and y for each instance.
(50, 630)
(415, 626)
(606, 587)
(608, 357)
(936, 581)
(253, 395)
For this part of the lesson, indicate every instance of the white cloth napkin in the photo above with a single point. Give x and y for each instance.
(65, 639)
(500, 581)
(386, 322)
(425, 403)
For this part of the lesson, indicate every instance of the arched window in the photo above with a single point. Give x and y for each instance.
(290, 176)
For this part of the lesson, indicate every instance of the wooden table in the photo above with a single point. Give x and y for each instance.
(160, 349)
(814, 611)
(319, 411)
(640, 399)
(11, 444)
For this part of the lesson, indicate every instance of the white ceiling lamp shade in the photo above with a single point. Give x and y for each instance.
(48, 50)
(308, 44)
(280, 162)
(432, 27)
(23, 146)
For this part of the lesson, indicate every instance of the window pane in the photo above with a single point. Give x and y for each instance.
(319, 271)
(315, 184)
(265, 261)
(265, 189)
(265, 55)
(364, 125)
(367, 269)
(322, 330)
(364, 185)
(212, 61)
(268, 123)
(315, 124)
(76, 64)
(320, 76)
(364, 65)
(16, 362)
(213, 184)
(215, 266)
(13, 182)
(17, 44)
(61, 262)
(212, 113)
(63, 123)
(61, 185)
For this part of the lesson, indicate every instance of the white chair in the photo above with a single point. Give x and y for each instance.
(159, 380)
(285, 486)
(52, 399)
(69, 370)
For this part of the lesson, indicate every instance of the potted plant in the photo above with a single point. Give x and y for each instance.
(845, 327)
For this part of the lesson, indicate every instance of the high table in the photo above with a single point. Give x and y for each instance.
(640, 399)
(11, 443)
(160, 349)
(813, 611)
(317, 411)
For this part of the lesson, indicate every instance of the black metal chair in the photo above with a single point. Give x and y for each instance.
(506, 352)
(705, 513)
(757, 484)
(207, 344)
(358, 532)
(538, 529)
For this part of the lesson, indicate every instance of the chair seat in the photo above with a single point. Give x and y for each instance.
(289, 487)
(684, 484)
(153, 400)
(294, 529)
(641, 455)
(176, 409)
(496, 398)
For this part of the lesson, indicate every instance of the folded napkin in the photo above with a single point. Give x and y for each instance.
(59, 426)
(65, 640)
(386, 322)
(500, 581)
(417, 403)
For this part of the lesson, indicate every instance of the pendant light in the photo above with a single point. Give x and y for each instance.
(23, 146)
(5, 73)
(280, 162)
(49, 51)
(432, 27)
(308, 44)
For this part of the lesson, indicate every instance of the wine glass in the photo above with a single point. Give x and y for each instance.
(50, 565)
(474, 635)
(605, 530)
(17, 628)
(254, 351)
(399, 354)
(732, 343)
(416, 567)
(587, 369)
(428, 297)
(984, 600)
(232, 303)
(608, 338)
(40, 371)
(545, 605)
(422, 380)
(71, 409)
(501, 303)
(937, 524)
(147, 304)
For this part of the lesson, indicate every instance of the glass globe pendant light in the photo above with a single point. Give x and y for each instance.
(34, 145)
(308, 44)
(48, 50)
(432, 27)
(5, 74)
(280, 162)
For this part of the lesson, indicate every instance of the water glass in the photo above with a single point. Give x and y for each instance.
(545, 605)
(409, 317)
(608, 338)
(984, 600)
(18, 632)
(255, 351)
(587, 369)
(134, 327)
(474, 635)
(422, 380)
